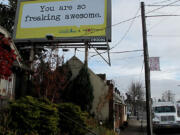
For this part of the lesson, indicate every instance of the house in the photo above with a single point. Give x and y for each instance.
(117, 106)
(108, 106)
(99, 109)
(8, 87)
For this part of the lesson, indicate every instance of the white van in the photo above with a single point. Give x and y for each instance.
(165, 115)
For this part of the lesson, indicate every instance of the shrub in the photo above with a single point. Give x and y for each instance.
(80, 90)
(34, 116)
(5, 120)
(71, 119)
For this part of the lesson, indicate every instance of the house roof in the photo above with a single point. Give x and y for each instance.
(74, 58)
(102, 76)
(117, 98)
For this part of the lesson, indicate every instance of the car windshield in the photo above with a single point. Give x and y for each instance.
(162, 109)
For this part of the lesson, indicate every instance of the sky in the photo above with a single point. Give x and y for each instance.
(163, 41)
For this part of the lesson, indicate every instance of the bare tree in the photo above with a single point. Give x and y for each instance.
(168, 96)
(136, 96)
(51, 76)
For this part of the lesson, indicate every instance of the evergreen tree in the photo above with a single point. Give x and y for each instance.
(80, 91)
(7, 14)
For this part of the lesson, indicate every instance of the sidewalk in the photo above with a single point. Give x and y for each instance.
(135, 128)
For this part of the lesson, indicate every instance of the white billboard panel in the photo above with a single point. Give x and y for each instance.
(67, 13)
(72, 20)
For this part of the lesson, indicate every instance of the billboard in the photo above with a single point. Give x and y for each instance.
(65, 20)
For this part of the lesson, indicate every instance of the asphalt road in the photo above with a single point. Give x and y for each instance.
(168, 132)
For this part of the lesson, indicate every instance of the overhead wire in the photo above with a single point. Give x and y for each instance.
(167, 36)
(136, 16)
(118, 51)
(164, 1)
(132, 57)
(125, 34)
(141, 71)
(127, 51)
(78, 124)
(160, 21)
(162, 6)
(123, 52)
(161, 15)
(132, 18)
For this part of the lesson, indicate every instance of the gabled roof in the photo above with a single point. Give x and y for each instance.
(74, 58)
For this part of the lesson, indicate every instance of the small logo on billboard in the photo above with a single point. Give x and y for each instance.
(92, 30)
(68, 31)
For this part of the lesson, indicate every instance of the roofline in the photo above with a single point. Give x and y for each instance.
(88, 68)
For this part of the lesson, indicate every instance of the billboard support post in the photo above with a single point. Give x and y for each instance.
(86, 54)
(31, 57)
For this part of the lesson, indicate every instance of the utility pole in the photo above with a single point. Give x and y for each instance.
(147, 72)
(86, 54)
(31, 57)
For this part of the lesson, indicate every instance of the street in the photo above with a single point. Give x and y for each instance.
(137, 127)
(168, 132)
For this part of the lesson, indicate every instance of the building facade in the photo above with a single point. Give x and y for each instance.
(7, 87)
(108, 105)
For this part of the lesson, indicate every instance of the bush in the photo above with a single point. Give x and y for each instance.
(70, 118)
(5, 120)
(34, 116)
(104, 131)
(80, 90)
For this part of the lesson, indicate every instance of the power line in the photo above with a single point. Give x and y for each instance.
(130, 19)
(169, 36)
(125, 34)
(120, 52)
(136, 16)
(133, 57)
(161, 15)
(127, 20)
(116, 52)
(163, 6)
(159, 22)
(128, 51)
(133, 19)
(164, 1)
(68, 118)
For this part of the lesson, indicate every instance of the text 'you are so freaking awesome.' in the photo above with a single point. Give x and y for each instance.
(47, 13)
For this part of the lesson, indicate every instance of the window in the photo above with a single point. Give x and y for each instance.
(163, 109)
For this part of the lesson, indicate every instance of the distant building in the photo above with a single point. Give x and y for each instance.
(108, 105)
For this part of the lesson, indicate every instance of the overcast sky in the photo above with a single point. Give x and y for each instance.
(163, 41)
